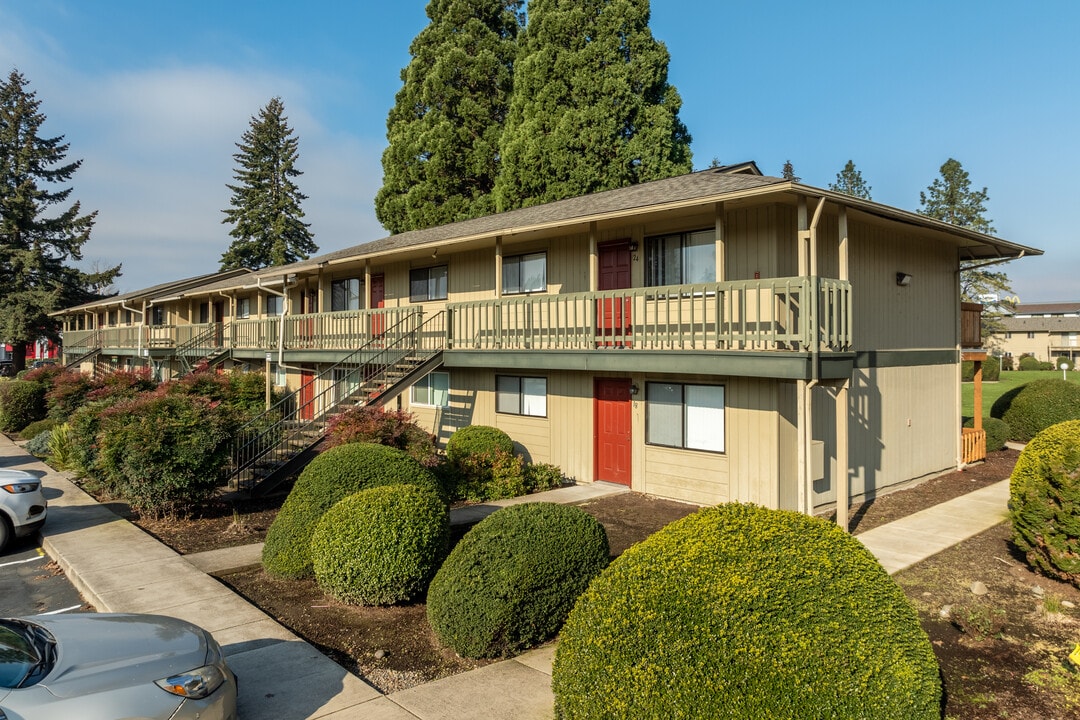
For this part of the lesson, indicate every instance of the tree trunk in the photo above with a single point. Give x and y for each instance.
(18, 356)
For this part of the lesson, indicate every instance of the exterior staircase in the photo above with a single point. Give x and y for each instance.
(278, 443)
(207, 346)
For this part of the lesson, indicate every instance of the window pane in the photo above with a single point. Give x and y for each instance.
(437, 283)
(705, 417)
(534, 272)
(418, 285)
(534, 396)
(511, 275)
(421, 392)
(273, 305)
(663, 414)
(508, 394)
(699, 257)
(664, 257)
(440, 389)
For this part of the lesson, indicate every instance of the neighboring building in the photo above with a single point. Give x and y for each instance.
(711, 337)
(1047, 331)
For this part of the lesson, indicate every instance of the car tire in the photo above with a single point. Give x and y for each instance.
(6, 533)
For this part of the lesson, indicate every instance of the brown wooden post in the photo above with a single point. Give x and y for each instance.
(978, 394)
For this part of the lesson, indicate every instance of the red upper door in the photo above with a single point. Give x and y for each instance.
(613, 314)
(612, 418)
(307, 394)
(378, 300)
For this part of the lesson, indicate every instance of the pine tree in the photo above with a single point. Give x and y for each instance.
(850, 182)
(35, 278)
(950, 198)
(788, 172)
(443, 131)
(265, 212)
(592, 108)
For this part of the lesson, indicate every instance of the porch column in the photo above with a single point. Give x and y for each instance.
(721, 255)
(840, 470)
(978, 393)
(594, 259)
(498, 266)
(367, 284)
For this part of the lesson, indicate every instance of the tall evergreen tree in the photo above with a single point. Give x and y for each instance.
(592, 108)
(850, 181)
(443, 131)
(35, 278)
(788, 172)
(951, 198)
(265, 204)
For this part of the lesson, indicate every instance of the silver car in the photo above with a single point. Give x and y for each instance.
(22, 506)
(106, 666)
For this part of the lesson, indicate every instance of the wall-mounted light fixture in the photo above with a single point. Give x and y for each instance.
(633, 389)
(903, 279)
(435, 253)
(633, 246)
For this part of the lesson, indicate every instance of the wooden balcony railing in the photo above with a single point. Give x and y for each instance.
(772, 314)
(971, 325)
(974, 445)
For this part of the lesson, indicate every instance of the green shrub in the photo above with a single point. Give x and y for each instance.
(164, 454)
(394, 428)
(1067, 362)
(510, 582)
(83, 426)
(1044, 501)
(991, 370)
(38, 446)
(1046, 365)
(997, 432)
(476, 441)
(34, 429)
(1007, 362)
(1037, 405)
(380, 546)
(330, 477)
(742, 612)
(21, 403)
(1029, 363)
(67, 394)
(543, 476)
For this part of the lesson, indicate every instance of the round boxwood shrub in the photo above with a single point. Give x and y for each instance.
(1029, 363)
(997, 432)
(1037, 405)
(21, 403)
(38, 446)
(738, 611)
(380, 546)
(330, 477)
(34, 429)
(477, 440)
(1044, 501)
(1067, 362)
(510, 582)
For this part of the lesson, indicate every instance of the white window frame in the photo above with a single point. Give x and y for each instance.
(512, 275)
(431, 383)
(529, 396)
(700, 426)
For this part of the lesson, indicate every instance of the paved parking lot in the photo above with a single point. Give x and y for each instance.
(31, 583)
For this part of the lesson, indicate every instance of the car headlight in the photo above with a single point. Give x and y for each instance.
(197, 683)
(23, 487)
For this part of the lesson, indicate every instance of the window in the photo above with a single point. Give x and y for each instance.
(525, 273)
(127, 317)
(681, 259)
(243, 308)
(113, 317)
(685, 416)
(204, 313)
(157, 315)
(1031, 336)
(427, 284)
(277, 375)
(346, 294)
(521, 395)
(273, 305)
(433, 390)
(1008, 336)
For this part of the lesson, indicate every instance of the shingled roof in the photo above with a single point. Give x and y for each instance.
(1060, 308)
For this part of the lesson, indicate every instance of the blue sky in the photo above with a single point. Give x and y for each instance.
(152, 97)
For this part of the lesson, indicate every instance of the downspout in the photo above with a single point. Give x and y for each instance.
(142, 316)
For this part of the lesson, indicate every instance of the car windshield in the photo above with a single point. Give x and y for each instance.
(18, 655)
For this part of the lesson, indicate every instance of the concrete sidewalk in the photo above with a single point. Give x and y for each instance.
(119, 568)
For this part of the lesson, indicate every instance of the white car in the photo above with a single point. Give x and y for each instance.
(22, 505)
(90, 666)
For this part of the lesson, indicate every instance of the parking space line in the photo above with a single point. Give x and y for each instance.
(57, 612)
(20, 562)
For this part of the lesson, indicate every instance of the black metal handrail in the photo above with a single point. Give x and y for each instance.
(299, 419)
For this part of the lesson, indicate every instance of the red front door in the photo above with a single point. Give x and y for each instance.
(613, 313)
(378, 300)
(611, 413)
(307, 394)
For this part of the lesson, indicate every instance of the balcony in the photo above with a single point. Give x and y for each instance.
(782, 316)
(971, 325)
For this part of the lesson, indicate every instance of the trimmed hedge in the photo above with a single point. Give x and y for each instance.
(997, 432)
(380, 546)
(1044, 501)
(991, 370)
(1029, 363)
(34, 429)
(1037, 405)
(742, 612)
(477, 440)
(511, 581)
(329, 478)
(21, 403)
(395, 428)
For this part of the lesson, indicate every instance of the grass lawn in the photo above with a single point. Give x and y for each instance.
(1009, 379)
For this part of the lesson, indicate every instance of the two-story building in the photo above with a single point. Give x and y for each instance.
(716, 336)
(1046, 331)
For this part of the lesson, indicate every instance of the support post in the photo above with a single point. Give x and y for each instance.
(840, 473)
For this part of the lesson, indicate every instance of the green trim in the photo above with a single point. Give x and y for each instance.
(865, 359)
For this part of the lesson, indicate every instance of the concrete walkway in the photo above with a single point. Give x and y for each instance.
(119, 568)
